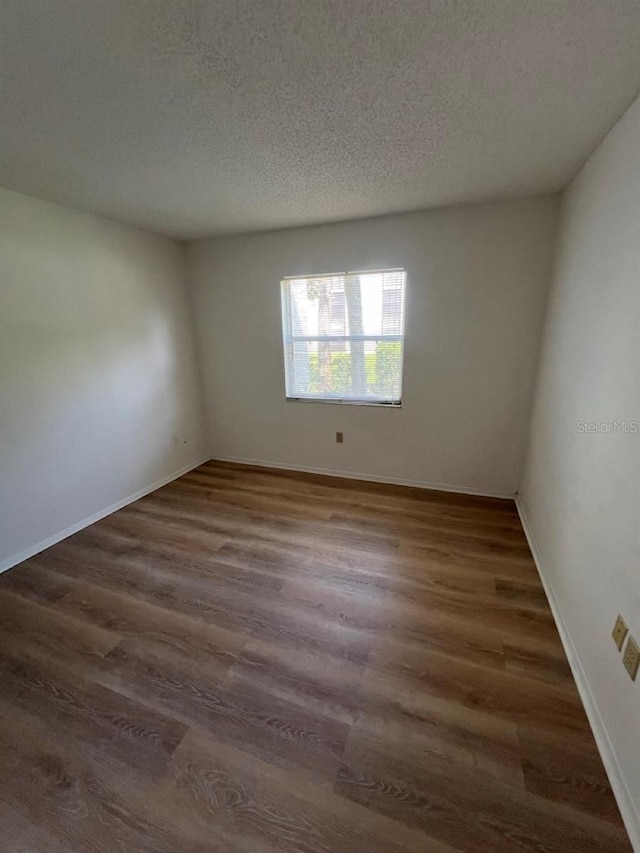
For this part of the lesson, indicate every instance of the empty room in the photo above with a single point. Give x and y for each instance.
(319, 426)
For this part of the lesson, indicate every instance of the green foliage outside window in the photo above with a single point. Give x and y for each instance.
(381, 368)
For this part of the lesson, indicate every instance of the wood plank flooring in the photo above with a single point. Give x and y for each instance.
(253, 660)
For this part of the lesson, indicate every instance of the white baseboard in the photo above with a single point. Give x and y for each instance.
(91, 519)
(622, 793)
(372, 478)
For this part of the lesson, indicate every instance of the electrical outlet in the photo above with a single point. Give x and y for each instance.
(631, 657)
(339, 437)
(619, 632)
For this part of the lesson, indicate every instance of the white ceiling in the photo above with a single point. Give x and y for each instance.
(197, 117)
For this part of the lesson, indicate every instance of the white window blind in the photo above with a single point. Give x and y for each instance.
(343, 336)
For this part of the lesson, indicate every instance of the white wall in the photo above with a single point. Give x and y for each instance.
(99, 394)
(581, 490)
(477, 280)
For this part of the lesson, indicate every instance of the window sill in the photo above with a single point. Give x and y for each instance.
(377, 403)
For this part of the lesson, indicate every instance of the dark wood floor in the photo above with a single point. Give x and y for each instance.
(258, 661)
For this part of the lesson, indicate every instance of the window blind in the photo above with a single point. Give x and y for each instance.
(343, 336)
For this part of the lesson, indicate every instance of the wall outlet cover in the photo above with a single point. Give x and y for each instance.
(619, 632)
(631, 657)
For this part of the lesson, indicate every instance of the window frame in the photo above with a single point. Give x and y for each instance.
(288, 339)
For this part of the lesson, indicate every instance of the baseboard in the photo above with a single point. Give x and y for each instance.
(622, 793)
(371, 478)
(91, 519)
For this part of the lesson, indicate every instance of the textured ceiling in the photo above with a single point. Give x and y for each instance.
(196, 117)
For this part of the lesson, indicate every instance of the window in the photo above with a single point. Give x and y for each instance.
(343, 336)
